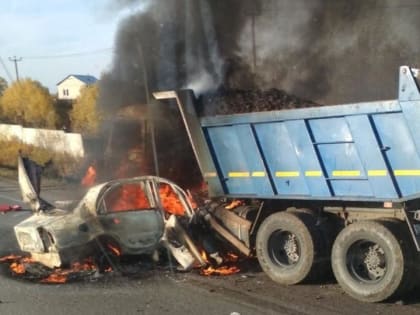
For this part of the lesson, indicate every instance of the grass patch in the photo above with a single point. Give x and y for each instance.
(57, 164)
(8, 173)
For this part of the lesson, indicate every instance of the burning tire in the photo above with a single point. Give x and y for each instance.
(371, 260)
(288, 247)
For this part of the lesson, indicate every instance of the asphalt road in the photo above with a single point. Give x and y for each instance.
(160, 291)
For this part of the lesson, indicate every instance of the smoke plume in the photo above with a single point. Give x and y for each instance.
(327, 51)
(330, 51)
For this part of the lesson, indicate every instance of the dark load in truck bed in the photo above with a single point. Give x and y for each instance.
(235, 101)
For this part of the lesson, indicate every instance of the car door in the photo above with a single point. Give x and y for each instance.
(129, 216)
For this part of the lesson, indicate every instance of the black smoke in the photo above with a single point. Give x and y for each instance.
(327, 51)
(176, 44)
(330, 51)
(336, 51)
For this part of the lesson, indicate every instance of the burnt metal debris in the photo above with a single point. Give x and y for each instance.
(125, 217)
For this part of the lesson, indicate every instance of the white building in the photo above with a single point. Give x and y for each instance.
(69, 88)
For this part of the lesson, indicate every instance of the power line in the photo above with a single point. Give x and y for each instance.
(16, 60)
(5, 69)
(78, 54)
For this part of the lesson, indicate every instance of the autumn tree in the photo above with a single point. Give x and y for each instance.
(28, 103)
(3, 85)
(85, 116)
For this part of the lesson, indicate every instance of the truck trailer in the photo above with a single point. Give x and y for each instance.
(330, 187)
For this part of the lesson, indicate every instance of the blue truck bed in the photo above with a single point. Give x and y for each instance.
(362, 151)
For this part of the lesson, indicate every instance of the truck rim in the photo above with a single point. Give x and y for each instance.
(366, 261)
(284, 248)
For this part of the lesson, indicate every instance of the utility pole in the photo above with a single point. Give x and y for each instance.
(151, 117)
(16, 60)
(253, 10)
(254, 45)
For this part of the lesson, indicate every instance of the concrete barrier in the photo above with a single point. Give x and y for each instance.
(56, 140)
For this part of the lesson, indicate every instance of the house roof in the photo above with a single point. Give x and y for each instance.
(87, 79)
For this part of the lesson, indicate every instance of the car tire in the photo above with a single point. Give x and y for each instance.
(289, 247)
(372, 260)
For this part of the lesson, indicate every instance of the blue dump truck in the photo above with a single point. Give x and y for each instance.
(321, 187)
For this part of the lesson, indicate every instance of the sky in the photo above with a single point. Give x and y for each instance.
(56, 38)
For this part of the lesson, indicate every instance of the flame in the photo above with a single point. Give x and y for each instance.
(90, 177)
(61, 275)
(227, 268)
(234, 204)
(17, 268)
(109, 269)
(170, 201)
(219, 271)
(17, 263)
(57, 275)
(128, 197)
(114, 249)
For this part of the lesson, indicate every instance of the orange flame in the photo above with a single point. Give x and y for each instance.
(114, 249)
(90, 177)
(17, 263)
(128, 197)
(131, 197)
(170, 200)
(58, 275)
(227, 268)
(61, 275)
(18, 268)
(234, 204)
(219, 271)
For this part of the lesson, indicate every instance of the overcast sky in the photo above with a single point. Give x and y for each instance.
(42, 31)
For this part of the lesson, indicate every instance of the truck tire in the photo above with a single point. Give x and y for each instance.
(288, 247)
(328, 227)
(371, 262)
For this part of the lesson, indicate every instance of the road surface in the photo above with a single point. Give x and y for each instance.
(161, 291)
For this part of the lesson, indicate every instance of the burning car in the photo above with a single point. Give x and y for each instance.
(130, 216)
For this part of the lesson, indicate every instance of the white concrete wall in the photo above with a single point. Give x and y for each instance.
(56, 140)
(9, 132)
(72, 85)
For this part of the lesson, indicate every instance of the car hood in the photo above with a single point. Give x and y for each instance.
(41, 219)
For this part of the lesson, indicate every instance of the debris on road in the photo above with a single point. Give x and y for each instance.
(9, 208)
(122, 218)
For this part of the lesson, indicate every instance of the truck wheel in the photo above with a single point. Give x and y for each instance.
(288, 246)
(369, 262)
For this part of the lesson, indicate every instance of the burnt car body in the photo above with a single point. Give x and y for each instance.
(134, 215)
